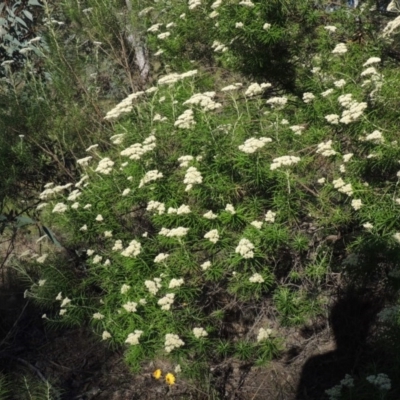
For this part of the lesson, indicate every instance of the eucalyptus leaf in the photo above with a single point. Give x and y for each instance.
(22, 221)
(28, 14)
(50, 234)
(21, 21)
(34, 3)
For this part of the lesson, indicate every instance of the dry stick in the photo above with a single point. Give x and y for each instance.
(31, 367)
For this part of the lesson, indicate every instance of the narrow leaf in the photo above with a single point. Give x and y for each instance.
(50, 234)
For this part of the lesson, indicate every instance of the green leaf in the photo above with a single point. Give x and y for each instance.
(34, 3)
(21, 21)
(22, 221)
(3, 218)
(50, 234)
(28, 14)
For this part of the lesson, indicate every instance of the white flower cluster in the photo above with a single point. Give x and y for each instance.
(130, 306)
(246, 3)
(391, 26)
(234, 86)
(245, 248)
(340, 83)
(137, 150)
(266, 26)
(132, 250)
(49, 190)
(123, 107)
(210, 215)
(284, 160)
(257, 224)
(174, 283)
(150, 176)
(106, 335)
(98, 316)
(133, 338)
(332, 119)
(174, 77)
(161, 257)
(327, 92)
(263, 334)
(117, 139)
(219, 47)
(330, 28)
(153, 205)
(193, 4)
(199, 332)
(216, 4)
(166, 301)
(375, 136)
(297, 129)
(153, 286)
(356, 204)
(185, 120)
(255, 89)
(277, 102)
(172, 342)
(354, 109)
(382, 381)
(105, 166)
(184, 160)
(164, 35)
(174, 232)
(60, 208)
(74, 195)
(256, 278)
(84, 162)
(205, 265)
(372, 60)
(154, 28)
(396, 236)
(369, 71)
(192, 177)
(340, 49)
(204, 100)
(118, 245)
(270, 216)
(125, 288)
(325, 149)
(342, 187)
(181, 210)
(308, 97)
(230, 209)
(253, 144)
(212, 236)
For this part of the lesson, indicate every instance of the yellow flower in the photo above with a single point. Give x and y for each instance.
(170, 379)
(157, 374)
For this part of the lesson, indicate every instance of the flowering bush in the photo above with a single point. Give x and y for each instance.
(212, 197)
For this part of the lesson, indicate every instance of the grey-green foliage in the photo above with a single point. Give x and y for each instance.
(14, 24)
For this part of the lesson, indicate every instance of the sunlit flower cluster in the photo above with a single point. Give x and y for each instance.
(175, 77)
(172, 342)
(153, 205)
(174, 232)
(256, 88)
(270, 216)
(340, 49)
(325, 149)
(132, 250)
(136, 151)
(130, 306)
(342, 187)
(125, 106)
(185, 120)
(212, 236)
(181, 210)
(199, 332)
(192, 177)
(204, 100)
(219, 47)
(152, 175)
(105, 166)
(284, 161)
(133, 338)
(175, 283)
(153, 286)
(264, 334)
(308, 97)
(277, 102)
(253, 144)
(245, 248)
(166, 301)
(256, 278)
